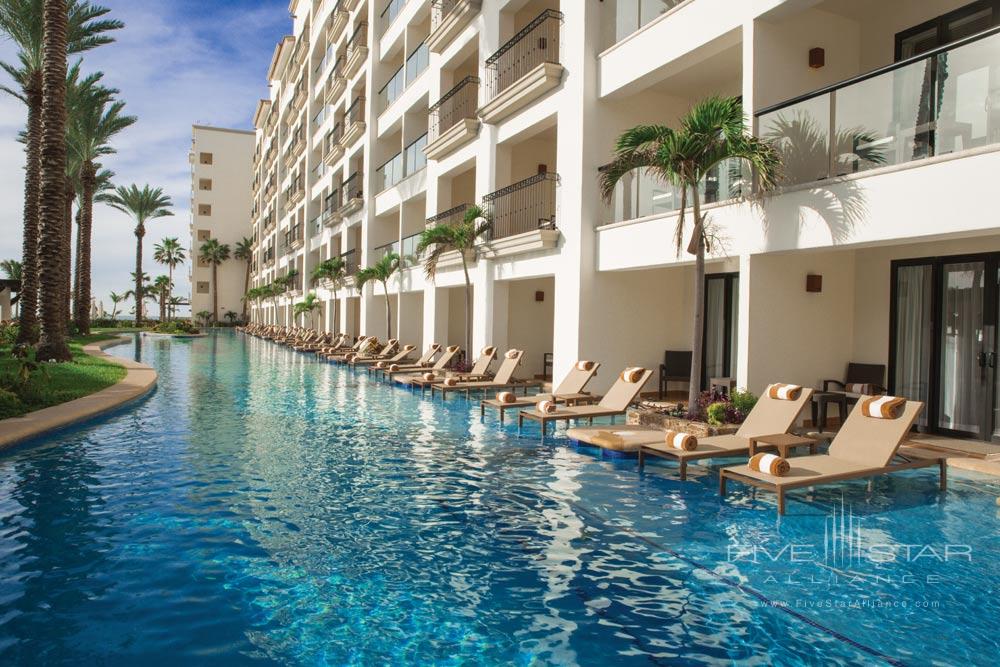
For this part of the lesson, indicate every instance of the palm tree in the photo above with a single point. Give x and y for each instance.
(116, 298)
(381, 271)
(332, 270)
(214, 253)
(161, 288)
(463, 238)
(171, 254)
(144, 205)
(244, 252)
(711, 133)
(204, 317)
(231, 316)
(102, 183)
(95, 121)
(23, 22)
(172, 303)
(309, 306)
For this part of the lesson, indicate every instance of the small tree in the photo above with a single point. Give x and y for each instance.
(463, 238)
(231, 316)
(214, 253)
(332, 270)
(161, 288)
(381, 271)
(308, 306)
(712, 133)
(116, 299)
(244, 252)
(205, 317)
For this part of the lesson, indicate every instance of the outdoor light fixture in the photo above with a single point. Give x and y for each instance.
(814, 283)
(539, 296)
(817, 57)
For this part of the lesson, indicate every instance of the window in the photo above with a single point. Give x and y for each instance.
(204, 235)
(205, 158)
(205, 209)
(205, 184)
(948, 28)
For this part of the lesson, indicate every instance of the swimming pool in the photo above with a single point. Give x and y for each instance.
(265, 507)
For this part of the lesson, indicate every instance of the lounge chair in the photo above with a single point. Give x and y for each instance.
(387, 352)
(400, 357)
(315, 344)
(614, 403)
(442, 362)
(362, 344)
(864, 447)
(504, 379)
(770, 416)
(479, 371)
(570, 391)
(425, 361)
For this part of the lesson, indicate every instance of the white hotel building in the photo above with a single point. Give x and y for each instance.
(387, 116)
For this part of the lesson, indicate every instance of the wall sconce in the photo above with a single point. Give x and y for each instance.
(817, 58)
(539, 296)
(814, 283)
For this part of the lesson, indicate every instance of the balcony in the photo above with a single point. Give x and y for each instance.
(357, 50)
(452, 121)
(334, 147)
(523, 215)
(414, 66)
(351, 5)
(383, 250)
(294, 238)
(389, 14)
(408, 250)
(403, 164)
(351, 263)
(352, 193)
(524, 69)
(339, 18)
(355, 121)
(293, 196)
(331, 214)
(643, 195)
(452, 216)
(448, 19)
(336, 84)
(939, 103)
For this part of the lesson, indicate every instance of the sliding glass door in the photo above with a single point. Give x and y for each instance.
(943, 346)
(721, 326)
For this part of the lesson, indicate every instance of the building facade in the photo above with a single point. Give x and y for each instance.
(220, 209)
(879, 246)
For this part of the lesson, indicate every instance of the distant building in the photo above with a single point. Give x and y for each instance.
(220, 209)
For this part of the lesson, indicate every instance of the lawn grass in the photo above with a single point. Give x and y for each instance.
(59, 383)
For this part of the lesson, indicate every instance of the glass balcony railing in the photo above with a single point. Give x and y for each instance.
(942, 102)
(413, 157)
(640, 194)
(383, 250)
(392, 89)
(391, 172)
(408, 250)
(630, 15)
(417, 62)
(390, 13)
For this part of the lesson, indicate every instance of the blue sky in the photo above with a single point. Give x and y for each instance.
(177, 62)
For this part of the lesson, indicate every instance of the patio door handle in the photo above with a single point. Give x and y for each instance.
(991, 359)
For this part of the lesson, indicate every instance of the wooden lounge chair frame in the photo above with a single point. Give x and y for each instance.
(864, 447)
(570, 392)
(613, 404)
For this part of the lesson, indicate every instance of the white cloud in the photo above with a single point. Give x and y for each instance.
(176, 64)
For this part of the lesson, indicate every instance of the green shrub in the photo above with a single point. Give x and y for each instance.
(743, 401)
(716, 414)
(10, 404)
(8, 334)
(176, 327)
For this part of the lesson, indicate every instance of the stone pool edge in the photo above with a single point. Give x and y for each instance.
(139, 380)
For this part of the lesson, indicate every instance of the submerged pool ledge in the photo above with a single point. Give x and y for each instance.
(139, 380)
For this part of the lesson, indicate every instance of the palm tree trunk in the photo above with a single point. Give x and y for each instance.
(140, 231)
(170, 277)
(75, 300)
(388, 311)
(246, 288)
(85, 225)
(336, 312)
(215, 292)
(28, 331)
(468, 306)
(68, 244)
(698, 334)
(53, 250)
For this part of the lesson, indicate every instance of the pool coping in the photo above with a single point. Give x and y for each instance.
(139, 380)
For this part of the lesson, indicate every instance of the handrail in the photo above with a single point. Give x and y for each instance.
(444, 215)
(361, 32)
(926, 55)
(523, 32)
(454, 91)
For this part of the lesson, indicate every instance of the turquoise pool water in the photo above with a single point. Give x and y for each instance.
(264, 507)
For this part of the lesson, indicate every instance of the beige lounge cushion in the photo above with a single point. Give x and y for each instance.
(784, 392)
(769, 463)
(882, 407)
